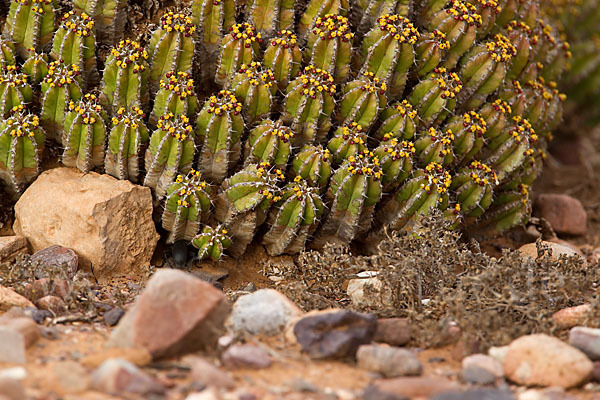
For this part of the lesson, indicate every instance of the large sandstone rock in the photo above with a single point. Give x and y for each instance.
(11, 247)
(107, 222)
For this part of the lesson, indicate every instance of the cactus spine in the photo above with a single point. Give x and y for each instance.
(362, 99)
(126, 142)
(14, 89)
(269, 142)
(254, 86)
(211, 243)
(30, 23)
(348, 140)
(240, 47)
(176, 95)
(36, 67)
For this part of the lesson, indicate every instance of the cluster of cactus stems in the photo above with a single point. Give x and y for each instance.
(312, 122)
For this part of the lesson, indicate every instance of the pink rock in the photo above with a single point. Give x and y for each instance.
(11, 247)
(177, 313)
(246, 356)
(58, 257)
(408, 387)
(208, 374)
(26, 326)
(564, 213)
(53, 304)
(117, 376)
(542, 360)
(572, 316)
(393, 331)
(9, 298)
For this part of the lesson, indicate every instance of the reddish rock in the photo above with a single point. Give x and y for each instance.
(530, 250)
(9, 298)
(26, 326)
(11, 247)
(117, 376)
(45, 286)
(393, 331)
(11, 387)
(177, 313)
(246, 356)
(53, 304)
(542, 360)
(58, 257)
(207, 374)
(572, 316)
(408, 388)
(564, 213)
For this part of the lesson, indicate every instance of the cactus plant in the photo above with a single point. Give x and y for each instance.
(435, 146)
(509, 209)
(75, 43)
(348, 140)
(219, 128)
(313, 163)
(61, 86)
(366, 12)
(430, 50)
(254, 86)
(317, 9)
(186, 206)
(269, 142)
(270, 16)
(396, 159)
(239, 47)
(212, 242)
(468, 131)
(125, 79)
(14, 89)
(7, 53)
(109, 16)
(283, 57)
(126, 143)
(176, 95)
(362, 99)
(294, 218)
(35, 67)
(21, 146)
(30, 23)
(474, 186)
(171, 152)
(85, 134)
(309, 104)
(399, 119)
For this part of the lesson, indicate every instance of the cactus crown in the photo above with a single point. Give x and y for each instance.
(502, 106)
(449, 82)
(128, 52)
(189, 185)
(373, 84)
(501, 49)
(178, 127)
(177, 22)
(406, 109)
(444, 137)
(353, 132)
(285, 39)
(281, 131)
(437, 178)
(224, 101)
(493, 4)
(132, 117)
(24, 122)
(178, 82)
(465, 12)
(481, 174)
(518, 25)
(402, 29)
(245, 32)
(439, 38)
(522, 130)
(12, 77)
(271, 176)
(80, 24)
(331, 26)
(398, 149)
(475, 123)
(364, 163)
(302, 189)
(257, 74)
(88, 107)
(60, 74)
(317, 80)
(34, 8)
(35, 56)
(548, 91)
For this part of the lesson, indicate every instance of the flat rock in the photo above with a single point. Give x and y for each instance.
(542, 360)
(246, 356)
(586, 340)
(572, 316)
(408, 388)
(11, 247)
(530, 249)
(106, 221)
(265, 311)
(564, 213)
(176, 314)
(208, 374)
(475, 394)
(12, 346)
(334, 333)
(481, 369)
(393, 331)
(117, 376)
(389, 361)
(9, 298)
(137, 356)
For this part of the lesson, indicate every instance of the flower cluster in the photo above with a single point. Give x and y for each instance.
(272, 177)
(81, 25)
(178, 127)
(130, 52)
(332, 26)
(398, 149)
(444, 138)
(438, 179)
(38, 5)
(316, 80)
(474, 123)
(439, 38)
(60, 74)
(281, 131)
(302, 189)
(132, 117)
(401, 28)
(373, 84)
(481, 174)
(501, 49)
(12, 77)
(25, 124)
(364, 163)
(492, 4)
(224, 101)
(189, 185)
(285, 39)
(466, 12)
(178, 82)
(257, 74)
(448, 82)
(502, 106)
(521, 130)
(245, 32)
(88, 108)
(406, 109)
(177, 22)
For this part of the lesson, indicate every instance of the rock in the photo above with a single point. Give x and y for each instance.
(334, 333)
(113, 316)
(58, 258)
(369, 292)
(572, 316)
(393, 331)
(207, 374)
(498, 352)
(586, 340)
(12, 346)
(389, 361)
(117, 376)
(11, 247)
(45, 286)
(542, 360)
(530, 249)
(408, 388)
(596, 371)
(265, 311)
(11, 383)
(26, 326)
(137, 356)
(246, 356)
(480, 369)
(564, 213)
(207, 394)
(69, 377)
(9, 298)
(545, 394)
(176, 314)
(107, 222)
(54, 304)
(475, 394)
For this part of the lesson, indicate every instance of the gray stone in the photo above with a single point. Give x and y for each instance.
(480, 369)
(475, 394)
(405, 388)
(389, 361)
(586, 340)
(246, 356)
(117, 376)
(113, 316)
(12, 346)
(265, 311)
(58, 258)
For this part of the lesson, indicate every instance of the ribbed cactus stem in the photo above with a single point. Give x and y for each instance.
(219, 128)
(21, 146)
(110, 17)
(269, 16)
(294, 218)
(489, 11)
(269, 142)
(176, 95)
(435, 146)
(362, 99)
(212, 242)
(520, 35)
(495, 115)
(474, 187)
(125, 79)
(170, 153)
(430, 50)
(509, 209)
(348, 140)
(127, 141)
(329, 46)
(75, 43)
(469, 130)
(255, 87)
(240, 46)
(283, 57)
(7, 53)
(317, 9)
(309, 103)
(14, 89)
(85, 134)
(399, 120)
(35, 67)
(366, 12)
(30, 23)
(313, 163)
(396, 159)
(187, 205)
